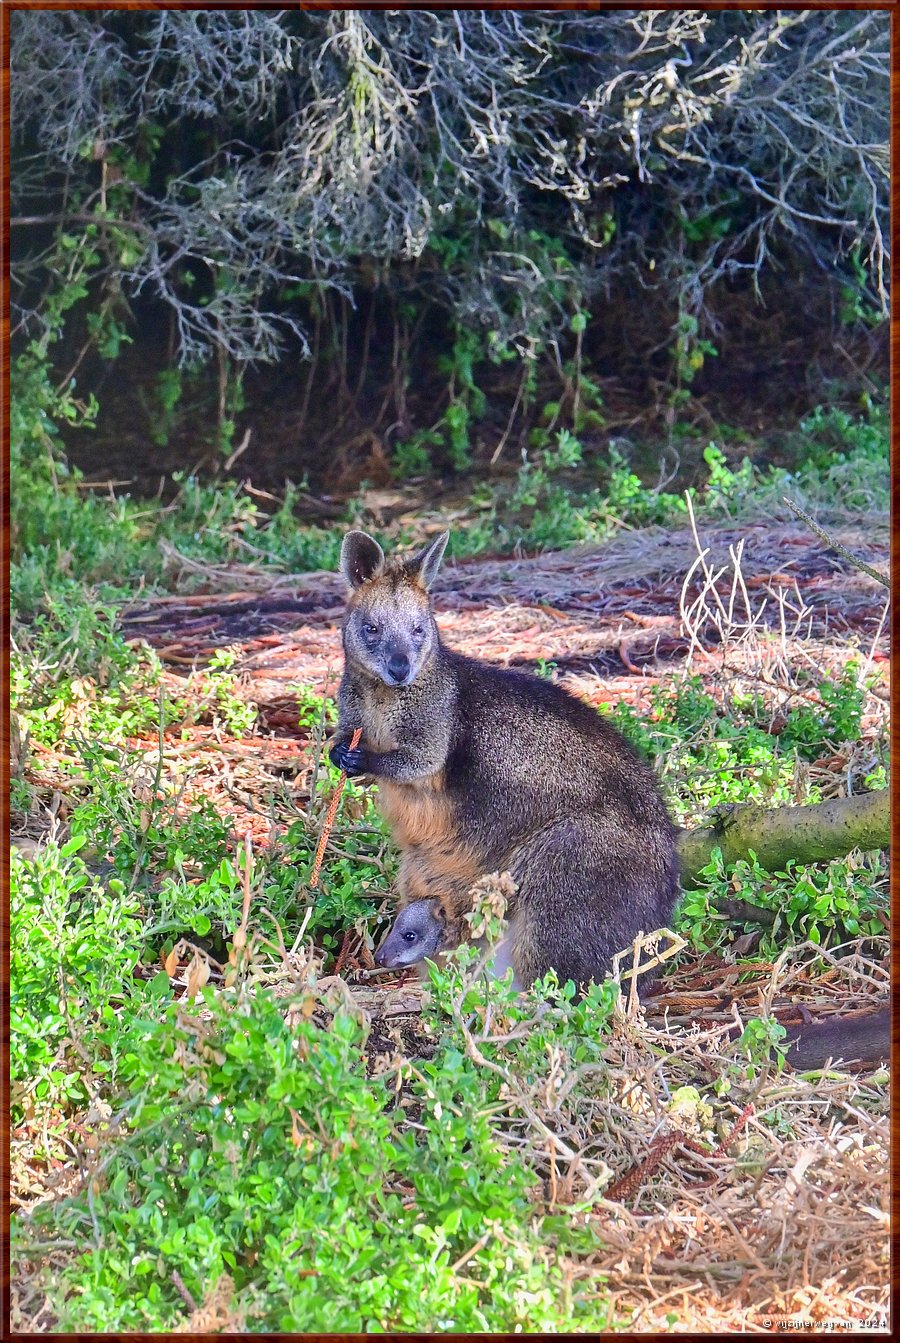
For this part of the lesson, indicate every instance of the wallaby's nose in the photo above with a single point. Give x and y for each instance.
(398, 667)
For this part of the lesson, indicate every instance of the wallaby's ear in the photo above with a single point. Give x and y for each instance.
(361, 558)
(423, 568)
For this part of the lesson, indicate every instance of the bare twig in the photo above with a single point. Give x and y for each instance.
(836, 545)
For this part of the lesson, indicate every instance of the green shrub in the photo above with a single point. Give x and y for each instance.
(74, 946)
(133, 821)
(827, 904)
(263, 1150)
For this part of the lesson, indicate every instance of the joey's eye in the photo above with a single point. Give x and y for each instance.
(409, 937)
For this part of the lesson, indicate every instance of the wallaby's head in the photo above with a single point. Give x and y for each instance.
(389, 629)
(418, 932)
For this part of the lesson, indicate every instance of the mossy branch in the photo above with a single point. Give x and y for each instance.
(812, 834)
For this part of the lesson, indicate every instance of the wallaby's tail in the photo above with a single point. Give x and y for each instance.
(852, 1037)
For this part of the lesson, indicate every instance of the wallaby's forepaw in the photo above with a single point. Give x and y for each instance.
(351, 762)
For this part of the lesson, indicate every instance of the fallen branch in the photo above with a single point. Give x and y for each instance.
(836, 545)
(811, 834)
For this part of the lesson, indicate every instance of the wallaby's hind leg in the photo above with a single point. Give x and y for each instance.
(587, 885)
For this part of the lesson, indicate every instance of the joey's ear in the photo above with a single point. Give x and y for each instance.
(423, 568)
(439, 914)
(361, 558)
(419, 910)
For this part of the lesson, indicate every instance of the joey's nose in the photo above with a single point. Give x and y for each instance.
(378, 958)
(398, 667)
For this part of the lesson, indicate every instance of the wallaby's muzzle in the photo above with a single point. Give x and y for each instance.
(398, 668)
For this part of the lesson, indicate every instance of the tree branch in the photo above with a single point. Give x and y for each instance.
(836, 545)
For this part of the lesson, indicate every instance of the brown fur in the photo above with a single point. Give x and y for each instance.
(481, 769)
(434, 860)
(438, 874)
(863, 1037)
(417, 814)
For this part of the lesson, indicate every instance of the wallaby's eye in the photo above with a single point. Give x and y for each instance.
(418, 631)
(409, 936)
(370, 629)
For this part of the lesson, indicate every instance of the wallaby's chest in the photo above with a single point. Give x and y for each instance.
(382, 716)
(417, 814)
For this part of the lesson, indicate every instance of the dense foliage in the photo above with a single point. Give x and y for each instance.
(520, 187)
(281, 1192)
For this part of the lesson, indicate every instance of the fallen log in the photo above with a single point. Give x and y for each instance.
(810, 834)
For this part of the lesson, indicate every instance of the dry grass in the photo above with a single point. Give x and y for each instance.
(602, 613)
(775, 1208)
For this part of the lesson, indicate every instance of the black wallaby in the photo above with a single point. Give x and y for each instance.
(482, 769)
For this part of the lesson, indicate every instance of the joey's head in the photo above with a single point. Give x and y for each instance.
(418, 932)
(389, 628)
